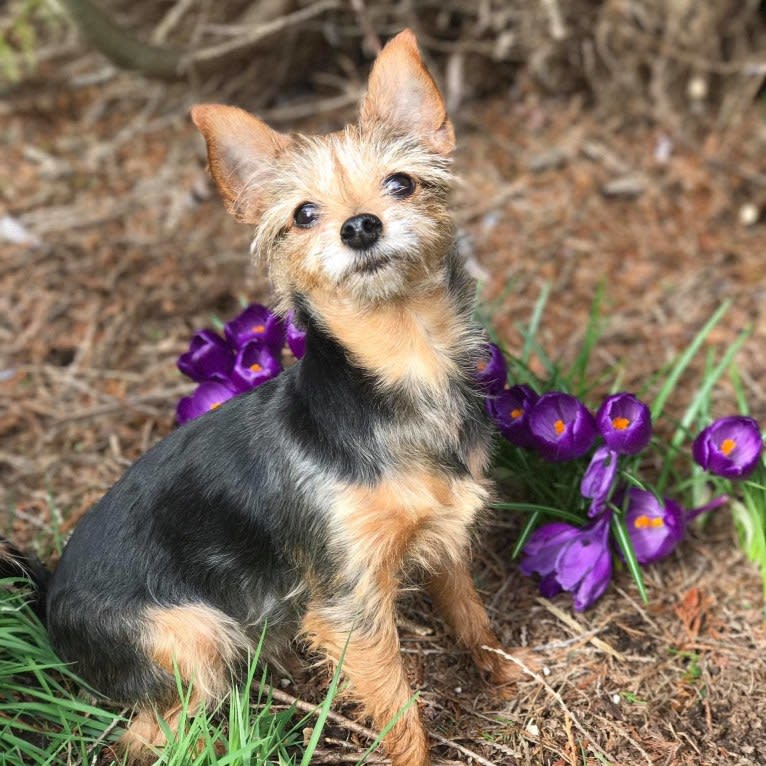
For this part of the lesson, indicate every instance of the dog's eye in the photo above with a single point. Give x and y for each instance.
(399, 185)
(306, 215)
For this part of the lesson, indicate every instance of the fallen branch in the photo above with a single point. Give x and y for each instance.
(128, 52)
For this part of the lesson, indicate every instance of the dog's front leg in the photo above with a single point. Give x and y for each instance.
(454, 596)
(373, 665)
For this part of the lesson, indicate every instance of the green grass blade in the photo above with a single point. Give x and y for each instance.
(699, 401)
(324, 709)
(530, 332)
(620, 531)
(529, 527)
(545, 510)
(578, 370)
(683, 360)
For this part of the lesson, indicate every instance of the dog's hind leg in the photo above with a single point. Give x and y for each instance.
(200, 644)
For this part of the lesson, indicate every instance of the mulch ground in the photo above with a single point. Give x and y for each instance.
(135, 252)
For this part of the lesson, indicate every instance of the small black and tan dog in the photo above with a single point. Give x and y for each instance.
(302, 504)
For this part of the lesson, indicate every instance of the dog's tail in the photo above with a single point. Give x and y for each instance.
(23, 566)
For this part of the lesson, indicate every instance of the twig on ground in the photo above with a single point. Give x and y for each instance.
(308, 707)
(570, 622)
(95, 748)
(464, 750)
(537, 677)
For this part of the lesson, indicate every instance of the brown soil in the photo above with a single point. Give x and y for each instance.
(110, 178)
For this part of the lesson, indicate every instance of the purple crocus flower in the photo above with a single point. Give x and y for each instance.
(254, 365)
(625, 423)
(730, 447)
(491, 370)
(207, 396)
(296, 337)
(571, 559)
(598, 479)
(256, 322)
(562, 427)
(209, 358)
(657, 526)
(509, 411)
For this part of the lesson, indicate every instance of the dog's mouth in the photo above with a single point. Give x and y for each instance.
(370, 263)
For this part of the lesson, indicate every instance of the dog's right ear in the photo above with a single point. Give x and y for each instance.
(241, 150)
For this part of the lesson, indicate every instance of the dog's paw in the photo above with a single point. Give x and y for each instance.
(505, 671)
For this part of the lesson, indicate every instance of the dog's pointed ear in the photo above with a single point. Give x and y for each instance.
(402, 94)
(241, 150)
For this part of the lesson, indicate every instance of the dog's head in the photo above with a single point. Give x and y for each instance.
(359, 214)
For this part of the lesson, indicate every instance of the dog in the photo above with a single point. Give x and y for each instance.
(301, 505)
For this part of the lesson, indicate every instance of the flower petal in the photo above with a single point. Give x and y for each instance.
(655, 529)
(207, 396)
(594, 583)
(582, 553)
(625, 422)
(599, 476)
(256, 322)
(492, 371)
(730, 447)
(562, 427)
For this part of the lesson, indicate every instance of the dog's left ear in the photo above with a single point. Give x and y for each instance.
(402, 94)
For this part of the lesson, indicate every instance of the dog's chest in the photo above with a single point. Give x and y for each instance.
(417, 515)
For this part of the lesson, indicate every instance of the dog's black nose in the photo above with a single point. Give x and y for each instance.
(361, 231)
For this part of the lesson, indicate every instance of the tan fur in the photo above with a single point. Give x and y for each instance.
(201, 641)
(403, 324)
(241, 150)
(343, 175)
(373, 665)
(145, 737)
(419, 517)
(403, 94)
(202, 644)
(455, 597)
(410, 341)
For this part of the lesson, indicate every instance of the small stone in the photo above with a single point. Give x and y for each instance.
(749, 214)
(616, 699)
(625, 187)
(697, 88)
(551, 159)
(533, 729)
(284, 682)
(458, 690)
(546, 670)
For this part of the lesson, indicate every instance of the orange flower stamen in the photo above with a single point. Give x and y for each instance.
(215, 405)
(727, 446)
(620, 424)
(258, 328)
(517, 413)
(256, 367)
(560, 427)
